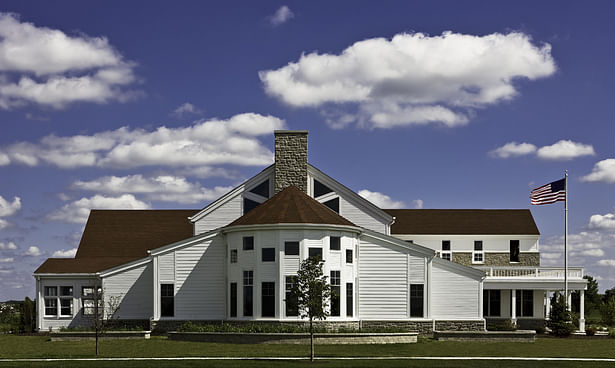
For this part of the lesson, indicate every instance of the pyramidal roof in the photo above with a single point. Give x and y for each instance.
(291, 206)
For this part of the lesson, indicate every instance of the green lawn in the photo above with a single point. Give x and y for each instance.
(41, 347)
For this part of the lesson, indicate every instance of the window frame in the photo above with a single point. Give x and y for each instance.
(478, 253)
(287, 243)
(515, 253)
(168, 299)
(267, 250)
(52, 298)
(234, 256)
(414, 302)
(349, 256)
(336, 288)
(246, 240)
(233, 300)
(349, 299)
(248, 285)
(445, 252)
(270, 298)
(289, 281)
(338, 242)
(88, 305)
(315, 248)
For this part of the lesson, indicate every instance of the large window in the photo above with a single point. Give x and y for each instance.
(248, 243)
(248, 300)
(89, 295)
(491, 303)
(334, 243)
(315, 253)
(514, 251)
(268, 254)
(291, 248)
(446, 250)
(525, 303)
(51, 300)
(349, 300)
(478, 256)
(416, 300)
(66, 301)
(335, 293)
(167, 300)
(233, 299)
(291, 300)
(268, 299)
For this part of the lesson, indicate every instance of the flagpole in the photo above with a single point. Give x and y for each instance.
(566, 239)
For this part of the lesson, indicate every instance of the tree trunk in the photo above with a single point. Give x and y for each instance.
(311, 341)
(96, 340)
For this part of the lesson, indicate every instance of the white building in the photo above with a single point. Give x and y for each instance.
(234, 259)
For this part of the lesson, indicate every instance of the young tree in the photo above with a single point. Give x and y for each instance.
(102, 316)
(312, 293)
(560, 321)
(607, 311)
(592, 298)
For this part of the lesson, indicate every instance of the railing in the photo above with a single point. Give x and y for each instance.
(538, 272)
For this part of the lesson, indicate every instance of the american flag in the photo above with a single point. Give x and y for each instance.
(549, 193)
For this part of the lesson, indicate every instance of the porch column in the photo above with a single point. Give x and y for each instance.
(513, 306)
(582, 311)
(548, 303)
(569, 300)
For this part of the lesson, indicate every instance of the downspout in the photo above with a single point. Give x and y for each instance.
(388, 230)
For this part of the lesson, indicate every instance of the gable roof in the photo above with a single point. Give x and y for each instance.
(463, 222)
(291, 206)
(115, 237)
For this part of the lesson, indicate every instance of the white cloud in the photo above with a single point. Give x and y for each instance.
(78, 211)
(163, 188)
(4, 159)
(513, 149)
(9, 246)
(411, 78)
(70, 253)
(565, 150)
(381, 200)
(606, 262)
(4, 224)
(7, 260)
(7, 208)
(603, 171)
(186, 109)
(602, 222)
(205, 143)
(580, 245)
(33, 251)
(417, 203)
(48, 67)
(282, 15)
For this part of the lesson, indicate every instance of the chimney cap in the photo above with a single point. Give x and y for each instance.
(290, 132)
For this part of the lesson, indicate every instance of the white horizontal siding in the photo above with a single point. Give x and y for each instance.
(416, 270)
(200, 274)
(133, 288)
(291, 265)
(383, 282)
(221, 216)
(454, 296)
(358, 217)
(166, 267)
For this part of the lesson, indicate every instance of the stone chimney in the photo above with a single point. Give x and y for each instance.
(291, 159)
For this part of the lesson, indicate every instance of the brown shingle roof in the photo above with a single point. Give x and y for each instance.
(115, 237)
(291, 206)
(463, 222)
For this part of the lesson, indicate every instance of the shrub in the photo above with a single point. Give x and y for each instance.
(561, 321)
(607, 311)
(505, 325)
(612, 333)
(540, 330)
(590, 331)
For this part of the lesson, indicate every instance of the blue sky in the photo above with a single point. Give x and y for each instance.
(414, 104)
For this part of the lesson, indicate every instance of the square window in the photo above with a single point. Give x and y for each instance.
(315, 253)
(334, 243)
(478, 245)
(446, 245)
(268, 254)
(66, 291)
(233, 255)
(248, 243)
(291, 248)
(348, 255)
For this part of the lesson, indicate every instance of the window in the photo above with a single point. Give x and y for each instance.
(525, 303)
(268, 254)
(233, 299)
(248, 243)
(334, 243)
(315, 253)
(51, 300)
(416, 300)
(262, 189)
(320, 189)
(292, 309)
(478, 255)
(333, 204)
(349, 298)
(268, 299)
(446, 250)
(167, 296)
(66, 300)
(348, 255)
(248, 282)
(335, 293)
(514, 251)
(249, 205)
(88, 296)
(233, 255)
(491, 303)
(291, 248)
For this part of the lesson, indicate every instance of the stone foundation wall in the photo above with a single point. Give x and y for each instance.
(460, 326)
(164, 326)
(422, 327)
(498, 259)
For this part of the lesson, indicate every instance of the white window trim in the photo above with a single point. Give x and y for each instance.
(449, 253)
(482, 256)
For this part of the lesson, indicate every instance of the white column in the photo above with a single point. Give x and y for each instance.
(582, 311)
(548, 303)
(513, 306)
(569, 300)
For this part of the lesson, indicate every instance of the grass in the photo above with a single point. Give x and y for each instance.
(40, 347)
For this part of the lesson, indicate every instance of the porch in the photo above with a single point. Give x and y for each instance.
(523, 294)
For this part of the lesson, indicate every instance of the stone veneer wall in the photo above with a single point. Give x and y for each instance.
(291, 159)
(498, 259)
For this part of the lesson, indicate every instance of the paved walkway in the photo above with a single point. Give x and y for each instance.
(303, 358)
